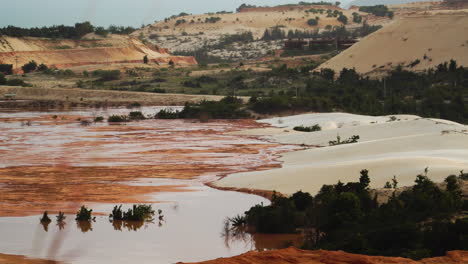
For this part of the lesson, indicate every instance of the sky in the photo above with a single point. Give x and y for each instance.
(32, 13)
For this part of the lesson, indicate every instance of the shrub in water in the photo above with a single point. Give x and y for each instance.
(137, 115)
(84, 214)
(45, 218)
(116, 119)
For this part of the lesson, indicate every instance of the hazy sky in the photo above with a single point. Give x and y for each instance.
(29, 13)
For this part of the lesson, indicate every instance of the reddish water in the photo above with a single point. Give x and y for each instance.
(49, 161)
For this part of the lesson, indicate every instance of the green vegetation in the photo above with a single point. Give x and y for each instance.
(98, 119)
(136, 213)
(418, 223)
(29, 67)
(136, 116)
(61, 217)
(13, 82)
(313, 128)
(227, 108)
(117, 119)
(357, 18)
(84, 214)
(168, 114)
(312, 22)
(377, 10)
(212, 19)
(106, 75)
(6, 69)
(338, 141)
(64, 32)
(343, 19)
(439, 93)
(45, 218)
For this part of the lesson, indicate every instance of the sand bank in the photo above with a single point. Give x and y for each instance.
(401, 145)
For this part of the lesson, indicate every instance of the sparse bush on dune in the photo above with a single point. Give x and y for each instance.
(338, 141)
(313, 128)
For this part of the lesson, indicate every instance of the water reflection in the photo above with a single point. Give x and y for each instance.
(257, 241)
(84, 226)
(45, 225)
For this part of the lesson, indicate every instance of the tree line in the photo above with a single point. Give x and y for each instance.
(423, 221)
(64, 32)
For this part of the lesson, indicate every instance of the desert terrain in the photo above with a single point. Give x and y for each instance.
(206, 141)
(403, 148)
(410, 43)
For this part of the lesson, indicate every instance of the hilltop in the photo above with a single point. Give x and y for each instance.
(241, 35)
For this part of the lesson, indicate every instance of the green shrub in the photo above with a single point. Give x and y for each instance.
(3, 80)
(61, 217)
(117, 119)
(6, 69)
(84, 214)
(18, 82)
(29, 67)
(45, 218)
(136, 115)
(168, 114)
(98, 119)
(338, 141)
(312, 22)
(136, 213)
(313, 128)
(228, 108)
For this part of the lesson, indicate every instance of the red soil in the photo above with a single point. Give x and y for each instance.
(296, 256)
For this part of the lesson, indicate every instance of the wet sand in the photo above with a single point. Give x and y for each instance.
(56, 163)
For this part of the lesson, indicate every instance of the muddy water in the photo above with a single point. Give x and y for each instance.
(50, 161)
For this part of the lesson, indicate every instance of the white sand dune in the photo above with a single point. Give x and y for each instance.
(403, 148)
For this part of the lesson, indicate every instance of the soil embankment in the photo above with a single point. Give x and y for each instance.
(72, 53)
(296, 256)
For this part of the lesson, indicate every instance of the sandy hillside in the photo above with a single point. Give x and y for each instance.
(69, 53)
(431, 37)
(255, 20)
(403, 147)
(195, 32)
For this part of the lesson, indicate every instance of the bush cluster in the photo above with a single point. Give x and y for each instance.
(418, 223)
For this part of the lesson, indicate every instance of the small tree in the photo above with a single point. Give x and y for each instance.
(145, 59)
(343, 19)
(312, 22)
(171, 63)
(394, 182)
(29, 67)
(42, 67)
(364, 180)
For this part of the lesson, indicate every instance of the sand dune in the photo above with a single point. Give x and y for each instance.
(407, 40)
(404, 147)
